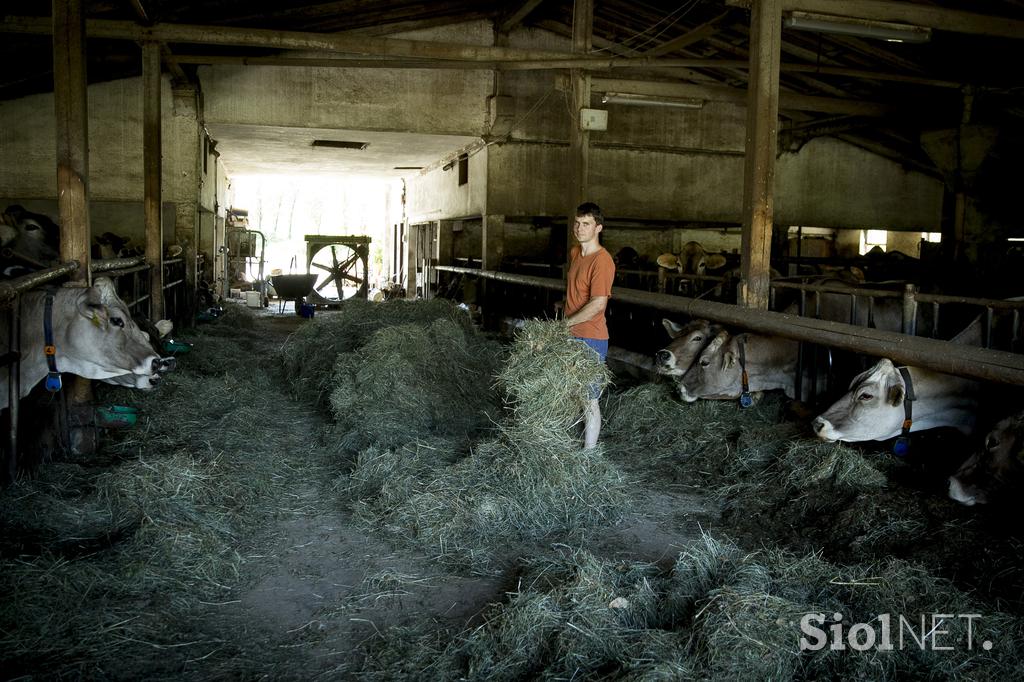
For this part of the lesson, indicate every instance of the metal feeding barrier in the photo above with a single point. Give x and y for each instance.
(942, 356)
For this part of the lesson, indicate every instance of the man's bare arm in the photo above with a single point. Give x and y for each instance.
(592, 309)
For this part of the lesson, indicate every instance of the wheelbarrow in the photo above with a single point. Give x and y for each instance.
(292, 287)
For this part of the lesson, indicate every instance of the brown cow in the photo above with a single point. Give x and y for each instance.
(688, 341)
(769, 361)
(996, 471)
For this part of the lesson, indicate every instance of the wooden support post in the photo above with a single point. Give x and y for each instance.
(579, 139)
(69, 96)
(152, 152)
(70, 103)
(759, 167)
(493, 241)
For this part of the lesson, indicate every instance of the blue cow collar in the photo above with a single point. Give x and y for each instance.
(902, 445)
(53, 381)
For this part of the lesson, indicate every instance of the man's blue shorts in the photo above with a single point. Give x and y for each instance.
(600, 346)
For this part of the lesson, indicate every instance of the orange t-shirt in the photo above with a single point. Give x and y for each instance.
(589, 276)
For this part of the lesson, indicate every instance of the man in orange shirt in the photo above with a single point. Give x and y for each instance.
(588, 288)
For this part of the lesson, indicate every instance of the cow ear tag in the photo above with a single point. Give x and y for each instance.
(96, 319)
(746, 400)
(901, 447)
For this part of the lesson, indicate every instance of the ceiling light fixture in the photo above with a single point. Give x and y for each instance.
(340, 144)
(651, 100)
(863, 28)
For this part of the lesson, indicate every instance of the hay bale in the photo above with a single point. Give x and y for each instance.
(412, 381)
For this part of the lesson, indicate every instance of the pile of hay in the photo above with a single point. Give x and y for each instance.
(531, 482)
(718, 614)
(310, 352)
(415, 381)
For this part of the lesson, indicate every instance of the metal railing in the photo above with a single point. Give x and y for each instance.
(942, 356)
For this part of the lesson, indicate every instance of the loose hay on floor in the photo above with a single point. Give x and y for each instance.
(720, 613)
(691, 443)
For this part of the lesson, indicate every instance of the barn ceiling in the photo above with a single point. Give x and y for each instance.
(925, 86)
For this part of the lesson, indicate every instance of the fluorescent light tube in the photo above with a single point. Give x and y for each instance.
(864, 28)
(651, 100)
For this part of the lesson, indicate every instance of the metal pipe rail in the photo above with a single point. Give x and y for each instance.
(942, 356)
(10, 289)
(892, 293)
(109, 264)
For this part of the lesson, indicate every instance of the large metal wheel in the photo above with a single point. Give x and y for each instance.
(340, 272)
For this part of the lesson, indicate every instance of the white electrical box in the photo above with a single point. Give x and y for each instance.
(593, 119)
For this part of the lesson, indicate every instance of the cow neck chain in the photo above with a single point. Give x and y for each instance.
(53, 381)
(745, 399)
(902, 444)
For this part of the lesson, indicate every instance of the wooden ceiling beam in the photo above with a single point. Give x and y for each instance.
(623, 51)
(930, 16)
(390, 28)
(285, 40)
(814, 83)
(165, 52)
(705, 30)
(606, 64)
(516, 17)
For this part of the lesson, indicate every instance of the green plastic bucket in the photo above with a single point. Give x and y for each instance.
(116, 416)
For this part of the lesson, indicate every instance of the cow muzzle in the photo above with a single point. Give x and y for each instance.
(959, 492)
(824, 430)
(685, 395)
(664, 358)
(161, 365)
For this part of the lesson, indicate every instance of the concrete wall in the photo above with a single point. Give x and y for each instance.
(28, 157)
(687, 165)
(833, 184)
(438, 101)
(436, 193)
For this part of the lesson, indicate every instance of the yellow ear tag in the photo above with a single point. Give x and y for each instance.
(96, 320)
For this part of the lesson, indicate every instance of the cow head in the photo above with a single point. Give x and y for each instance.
(696, 261)
(688, 341)
(716, 373)
(96, 338)
(871, 410)
(994, 471)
